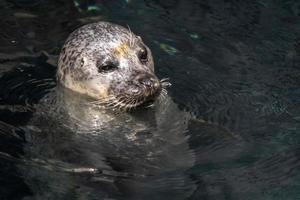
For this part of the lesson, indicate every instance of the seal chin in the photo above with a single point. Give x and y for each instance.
(136, 97)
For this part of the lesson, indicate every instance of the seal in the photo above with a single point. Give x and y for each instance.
(110, 64)
(91, 153)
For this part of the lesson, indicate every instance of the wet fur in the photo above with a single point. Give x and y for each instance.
(89, 47)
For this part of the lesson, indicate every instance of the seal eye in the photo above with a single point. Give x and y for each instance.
(143, 55)
(108, 67)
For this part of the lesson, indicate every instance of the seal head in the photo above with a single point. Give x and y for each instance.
(110, 64)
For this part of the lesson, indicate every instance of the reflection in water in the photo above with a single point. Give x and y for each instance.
(234, 70)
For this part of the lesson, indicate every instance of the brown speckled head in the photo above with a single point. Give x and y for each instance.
(109, 63)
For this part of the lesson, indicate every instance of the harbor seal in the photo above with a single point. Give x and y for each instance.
(76, 149)
(110, 64)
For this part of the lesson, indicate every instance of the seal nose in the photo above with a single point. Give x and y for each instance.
(148, 81)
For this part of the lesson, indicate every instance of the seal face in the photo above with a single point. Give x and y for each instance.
(110, 64)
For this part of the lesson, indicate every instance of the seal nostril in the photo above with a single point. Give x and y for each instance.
(146, 82)
(135, 90)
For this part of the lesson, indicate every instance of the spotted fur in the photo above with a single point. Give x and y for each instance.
(93, 45)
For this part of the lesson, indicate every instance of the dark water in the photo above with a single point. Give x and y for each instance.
(234, 66)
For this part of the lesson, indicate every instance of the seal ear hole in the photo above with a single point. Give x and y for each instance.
(143, 55)
(81, 62)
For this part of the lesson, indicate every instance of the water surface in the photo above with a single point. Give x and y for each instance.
(234, 68)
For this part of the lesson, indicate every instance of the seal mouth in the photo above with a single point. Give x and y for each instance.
(127, 103)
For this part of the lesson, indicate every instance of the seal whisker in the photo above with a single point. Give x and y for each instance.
(121, 104)
(163, 95)
(118, 102)
(162, 98)
(164, 91)
(165, 82)
(133, 102)
(127, 103)
(101, 101)
(164, 79)
(131, 37)
(110, 102)
(113, 103)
